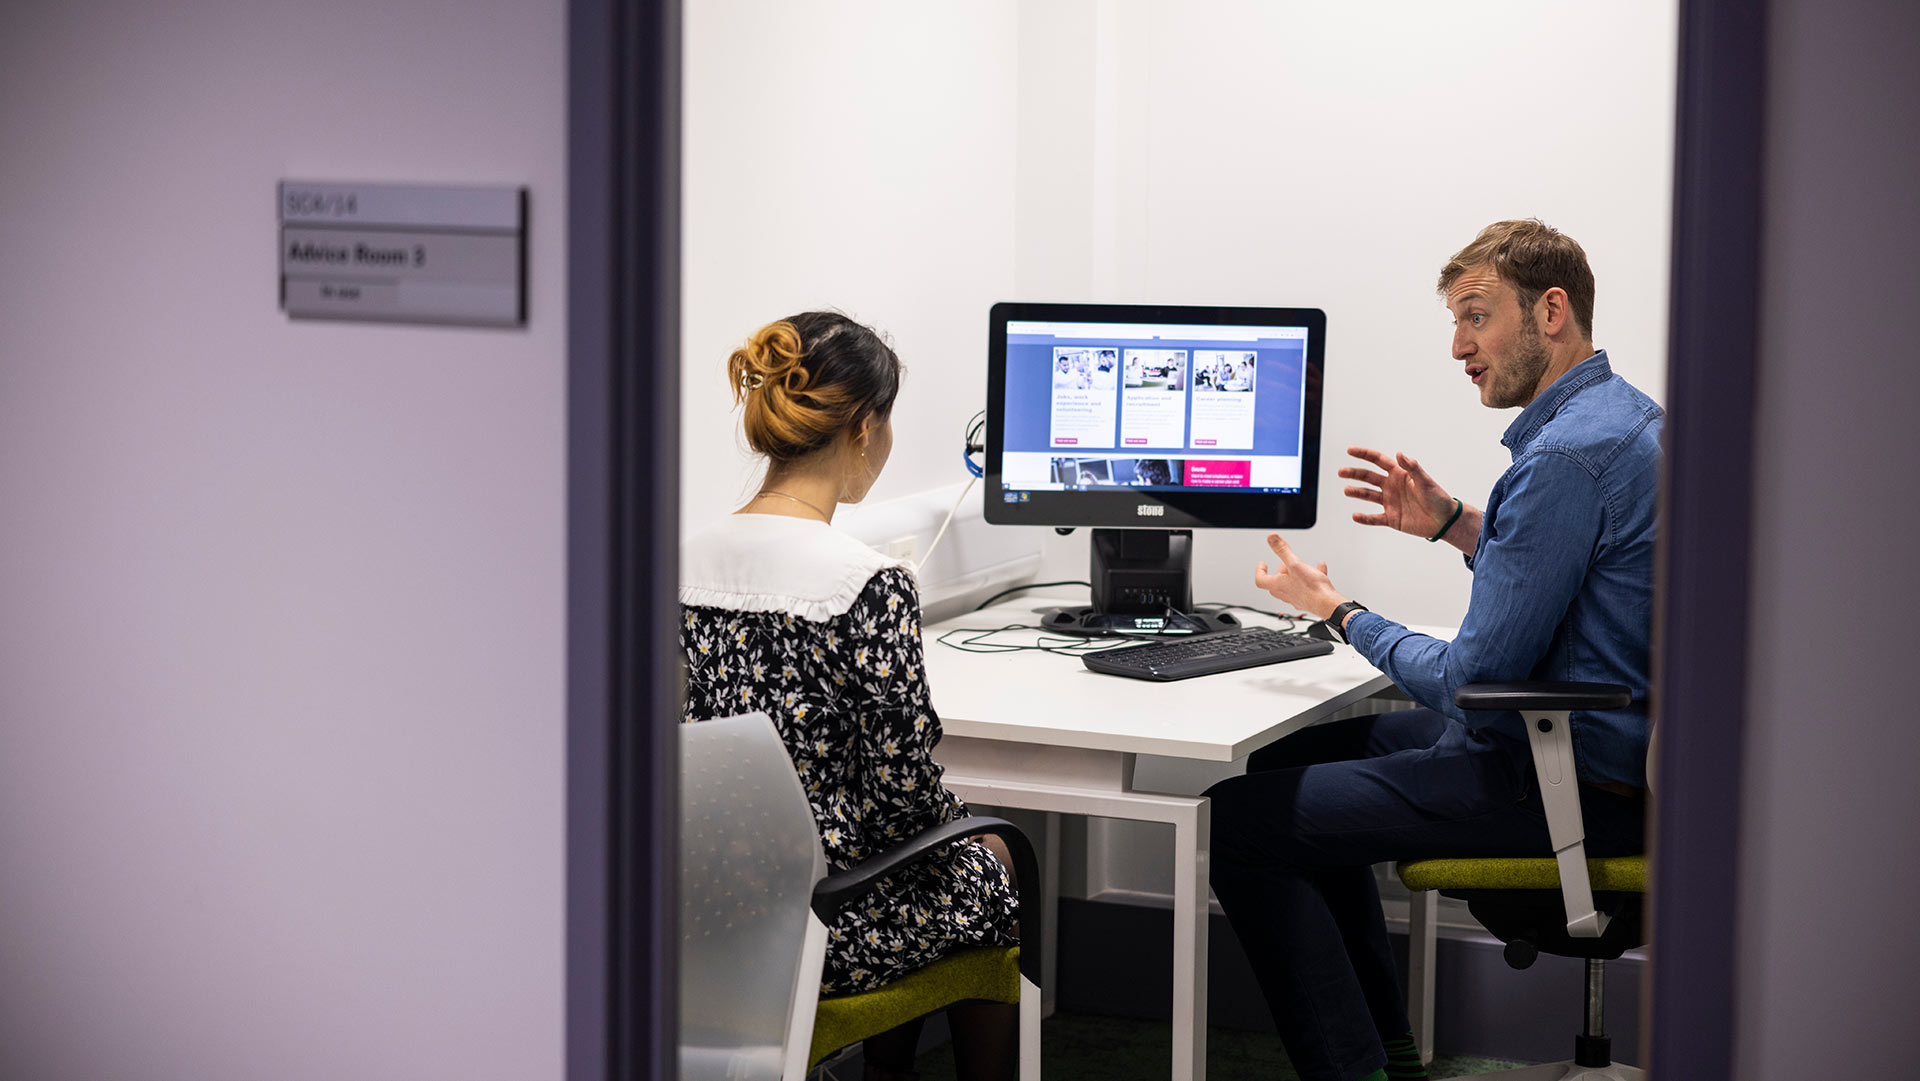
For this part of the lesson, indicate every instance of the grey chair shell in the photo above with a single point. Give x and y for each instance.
(751, 950)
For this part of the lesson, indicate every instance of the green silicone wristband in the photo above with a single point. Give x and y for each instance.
(1457, 508)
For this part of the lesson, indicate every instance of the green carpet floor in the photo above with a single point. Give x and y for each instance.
(1116, 1049)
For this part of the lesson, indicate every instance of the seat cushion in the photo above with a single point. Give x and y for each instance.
(986, 972)
(1627, 874)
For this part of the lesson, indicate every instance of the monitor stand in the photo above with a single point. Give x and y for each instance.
(1142, 584)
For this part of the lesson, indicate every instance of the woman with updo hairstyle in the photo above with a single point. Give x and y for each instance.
(787, 616)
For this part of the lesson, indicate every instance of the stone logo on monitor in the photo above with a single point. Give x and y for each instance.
(1150, 510)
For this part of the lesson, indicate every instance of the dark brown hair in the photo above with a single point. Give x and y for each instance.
(1533, 257)
(809, 378)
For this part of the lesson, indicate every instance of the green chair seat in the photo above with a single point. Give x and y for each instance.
(1617, 874)
(984, 972)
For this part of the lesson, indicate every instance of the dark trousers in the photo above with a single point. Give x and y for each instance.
(1294, 844)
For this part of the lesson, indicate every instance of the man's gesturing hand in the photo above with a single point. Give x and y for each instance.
(1410, 500)
(1298, 583)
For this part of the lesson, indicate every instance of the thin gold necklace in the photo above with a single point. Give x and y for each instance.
(796, 499)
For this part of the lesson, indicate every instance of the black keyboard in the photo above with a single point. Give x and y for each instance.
(1206, 655)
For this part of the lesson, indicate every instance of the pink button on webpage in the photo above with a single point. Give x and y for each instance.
(1219, 474)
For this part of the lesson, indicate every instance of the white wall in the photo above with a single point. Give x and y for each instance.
(281, 604)
(1826, 937)
(916, 166)
(856, 156)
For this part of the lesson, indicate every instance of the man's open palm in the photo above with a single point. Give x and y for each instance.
(1409, 500)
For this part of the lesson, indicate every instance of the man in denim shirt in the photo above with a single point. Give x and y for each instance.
(1562, 562)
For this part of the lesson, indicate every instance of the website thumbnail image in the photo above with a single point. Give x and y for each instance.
(1154, 397)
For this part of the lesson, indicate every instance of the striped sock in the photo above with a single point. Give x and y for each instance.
(1377, 1075)
(1403, 1060)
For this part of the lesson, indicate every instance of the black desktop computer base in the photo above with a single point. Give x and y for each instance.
(1090, 622)
(1142, 585)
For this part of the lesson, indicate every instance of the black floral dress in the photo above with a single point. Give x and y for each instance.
(849, 697)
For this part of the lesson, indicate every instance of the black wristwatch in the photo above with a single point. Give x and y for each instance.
(1338, 620)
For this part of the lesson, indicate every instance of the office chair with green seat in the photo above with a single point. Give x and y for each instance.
(1566, 905)
(755, 904)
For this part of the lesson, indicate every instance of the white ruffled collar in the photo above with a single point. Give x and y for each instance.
(775, 563)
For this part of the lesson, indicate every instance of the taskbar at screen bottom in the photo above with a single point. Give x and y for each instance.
(1125, 507)
(1023, 495)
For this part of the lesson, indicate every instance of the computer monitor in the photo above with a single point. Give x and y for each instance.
(1146, 422)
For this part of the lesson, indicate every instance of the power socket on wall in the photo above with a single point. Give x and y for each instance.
(905, 548)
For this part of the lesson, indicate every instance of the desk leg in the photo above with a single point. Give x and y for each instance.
(1050, 913)
(1190, 910)
(1188, 815)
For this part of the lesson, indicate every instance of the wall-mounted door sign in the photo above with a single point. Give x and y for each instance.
(404, 253)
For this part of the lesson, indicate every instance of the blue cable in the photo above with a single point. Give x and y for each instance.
(971, 468)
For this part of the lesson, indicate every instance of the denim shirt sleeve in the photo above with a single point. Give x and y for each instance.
(1535, 548)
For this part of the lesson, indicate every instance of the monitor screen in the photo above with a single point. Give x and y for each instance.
(1124, 415)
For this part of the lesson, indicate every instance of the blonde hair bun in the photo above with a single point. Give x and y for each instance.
(808, 378)
(771, 358)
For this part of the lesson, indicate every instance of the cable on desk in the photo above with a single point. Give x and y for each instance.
(1068, 645)
(1174, 617)
(1285, 617)
(1022, 589)
(1076, 645)
(1064, 645)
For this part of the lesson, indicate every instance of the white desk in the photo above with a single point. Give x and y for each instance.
(1039, 731)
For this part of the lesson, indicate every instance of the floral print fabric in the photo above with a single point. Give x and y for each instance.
(850, 700)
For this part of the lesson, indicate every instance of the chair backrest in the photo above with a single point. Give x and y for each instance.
(749, 859)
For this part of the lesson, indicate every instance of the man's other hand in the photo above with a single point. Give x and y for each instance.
(1296, 582)
(1410, 500)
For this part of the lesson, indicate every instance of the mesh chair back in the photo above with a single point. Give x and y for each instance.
(749, 859)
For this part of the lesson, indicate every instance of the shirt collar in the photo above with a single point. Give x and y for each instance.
(1541, 410)
(776, 563)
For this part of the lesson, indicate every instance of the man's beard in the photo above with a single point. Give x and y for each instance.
(1515, 382)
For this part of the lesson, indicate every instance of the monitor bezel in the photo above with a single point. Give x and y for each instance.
(1133, 508)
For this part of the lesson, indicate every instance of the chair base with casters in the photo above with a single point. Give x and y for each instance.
(756, 902)
(1567, 905)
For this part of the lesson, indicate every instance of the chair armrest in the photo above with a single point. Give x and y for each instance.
(1541, 695)
(1546, 709)
(839, 889)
